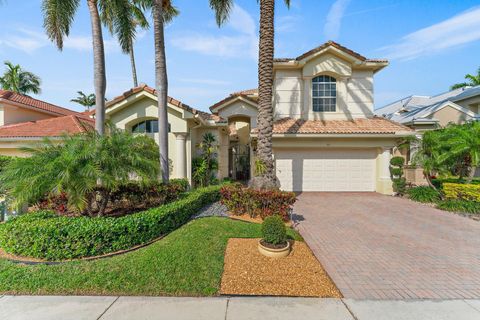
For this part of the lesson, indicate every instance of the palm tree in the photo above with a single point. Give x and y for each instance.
(58, 19)
(162, 12)
(85, 100)
(136, 18)
(19, 80)
(265, 80)
(472, 81)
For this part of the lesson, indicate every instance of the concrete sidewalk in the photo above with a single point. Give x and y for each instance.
(159, 308)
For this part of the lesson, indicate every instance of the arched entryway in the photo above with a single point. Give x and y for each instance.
(239, 151)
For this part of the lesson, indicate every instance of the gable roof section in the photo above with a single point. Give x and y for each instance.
(334, 45)
(32, 103)
(374, 125)
(144, 87)
(250, 95)
(414, 108)
(53, 127)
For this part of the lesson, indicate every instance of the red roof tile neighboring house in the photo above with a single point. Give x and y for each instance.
(357, 126)
(32, 103)
(54, 127)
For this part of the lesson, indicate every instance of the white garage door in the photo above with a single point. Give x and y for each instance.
(326, 169)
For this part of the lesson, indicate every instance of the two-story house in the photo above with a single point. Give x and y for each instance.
(325, 137)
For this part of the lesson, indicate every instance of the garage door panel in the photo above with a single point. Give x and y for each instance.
(326, 169)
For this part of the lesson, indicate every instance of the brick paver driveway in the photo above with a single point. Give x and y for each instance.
(381, 247)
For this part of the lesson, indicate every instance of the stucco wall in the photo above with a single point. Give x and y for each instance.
(13, 114)
(240, 108)
(146, 108)
(293, 90)
(448, 115)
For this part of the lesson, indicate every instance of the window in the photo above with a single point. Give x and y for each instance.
(324, 94)
(148, 126)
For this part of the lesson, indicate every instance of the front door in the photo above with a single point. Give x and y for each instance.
(239, 162)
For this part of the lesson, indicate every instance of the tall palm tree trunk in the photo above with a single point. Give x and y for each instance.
(132, 63)
(265, 87)
(99, 72)
(161, 82)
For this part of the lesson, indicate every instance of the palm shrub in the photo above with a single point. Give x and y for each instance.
(205, 166)
(87, 168)
(396, 171)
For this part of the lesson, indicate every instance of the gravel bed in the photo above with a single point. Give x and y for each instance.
(212, 210)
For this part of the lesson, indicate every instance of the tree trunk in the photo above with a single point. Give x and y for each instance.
(265, 88)
(161, 82)
(132, 62)
(100, 79)
(471, 174)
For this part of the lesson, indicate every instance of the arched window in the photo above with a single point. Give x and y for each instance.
(324, 94)
(147, 126)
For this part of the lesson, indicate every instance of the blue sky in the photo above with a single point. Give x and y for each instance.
(430, 45)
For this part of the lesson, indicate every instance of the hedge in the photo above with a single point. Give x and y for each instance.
(469, 192)
(46, 235)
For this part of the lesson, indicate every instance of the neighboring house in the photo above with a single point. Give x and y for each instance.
(326, 136)
(423, 113)
(25, 121)
(426, 113)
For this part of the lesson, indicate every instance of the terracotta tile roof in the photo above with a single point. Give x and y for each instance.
(250, 94)
(374, 125)
(330, 44)
(144, 87)
(208, 116)
(35, 103)
(53, 127)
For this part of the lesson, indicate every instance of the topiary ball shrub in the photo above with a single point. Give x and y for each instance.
(274, 231)
(397, 161)
(424, 194)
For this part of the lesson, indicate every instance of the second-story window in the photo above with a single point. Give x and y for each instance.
(324, 94)
(147, 126)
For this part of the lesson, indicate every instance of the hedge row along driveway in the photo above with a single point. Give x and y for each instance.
(48, 236)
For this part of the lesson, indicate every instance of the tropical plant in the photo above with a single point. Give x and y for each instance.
(204, 167)
(473, 80)
(265, 78)
(424, 194)
(85, 100)
(87, 168)
(19, 80)
(58, 20)
(462, 146)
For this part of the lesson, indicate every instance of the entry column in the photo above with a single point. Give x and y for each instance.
(181, 157)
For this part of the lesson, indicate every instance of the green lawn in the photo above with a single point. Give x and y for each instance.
(189, 261)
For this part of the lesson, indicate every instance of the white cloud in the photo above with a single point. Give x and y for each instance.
(243, 43)
(286, 23)
(29, 41)
(334, 19)
(453, 32)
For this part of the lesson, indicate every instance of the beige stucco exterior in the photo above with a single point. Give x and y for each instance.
(12, 113)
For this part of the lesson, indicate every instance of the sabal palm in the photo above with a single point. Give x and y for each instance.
(58, 18)
(473, 80)
(19, 80)
(85, 100)
(222, 9)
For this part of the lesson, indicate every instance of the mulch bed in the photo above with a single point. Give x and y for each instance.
(248, 272)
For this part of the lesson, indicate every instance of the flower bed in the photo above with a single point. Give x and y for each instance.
(257, 203)
(46, 235)
(469, 192)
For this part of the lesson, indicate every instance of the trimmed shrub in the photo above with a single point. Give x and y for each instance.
(399, 183)
(423, 194)
(460, 206)
(469, 192)
(274, 230)
(48, 236)
(257, 203)
(438, 183)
